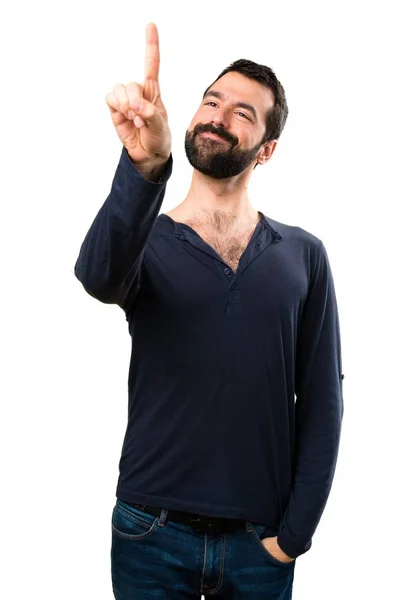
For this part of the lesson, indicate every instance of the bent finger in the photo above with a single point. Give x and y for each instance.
(122, 97)
(112, 102)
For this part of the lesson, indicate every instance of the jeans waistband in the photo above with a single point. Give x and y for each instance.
(200, 523)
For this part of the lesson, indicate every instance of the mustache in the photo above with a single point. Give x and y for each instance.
(222, 133)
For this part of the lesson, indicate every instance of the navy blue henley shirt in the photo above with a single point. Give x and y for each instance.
(235, 381)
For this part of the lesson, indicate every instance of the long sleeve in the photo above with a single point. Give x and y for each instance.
(111, 254)
(318, 411)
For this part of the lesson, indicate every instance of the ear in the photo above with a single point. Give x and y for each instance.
(265, 152)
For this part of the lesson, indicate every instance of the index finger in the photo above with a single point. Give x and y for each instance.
(152, 57)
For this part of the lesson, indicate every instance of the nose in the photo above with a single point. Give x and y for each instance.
(218, 121)
(220, 118)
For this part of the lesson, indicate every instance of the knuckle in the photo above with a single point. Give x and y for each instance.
(120, 93)
(134, 88)
(134, 93)
(133, 101)
(111, 100)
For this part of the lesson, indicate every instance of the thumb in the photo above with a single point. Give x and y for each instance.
(146, 115)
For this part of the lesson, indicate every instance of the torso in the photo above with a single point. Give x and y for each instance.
(219, 231)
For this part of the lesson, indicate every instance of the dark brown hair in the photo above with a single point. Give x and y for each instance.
(276, 116)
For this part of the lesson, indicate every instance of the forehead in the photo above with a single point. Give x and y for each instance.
(238, 88)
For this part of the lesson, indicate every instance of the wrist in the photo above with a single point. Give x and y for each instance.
(152, 173)
(152, 170)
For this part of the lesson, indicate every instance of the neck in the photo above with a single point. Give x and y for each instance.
(214, 196)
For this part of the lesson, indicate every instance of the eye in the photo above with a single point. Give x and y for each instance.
(238, 113)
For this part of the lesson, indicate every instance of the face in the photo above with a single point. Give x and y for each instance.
(225, 135)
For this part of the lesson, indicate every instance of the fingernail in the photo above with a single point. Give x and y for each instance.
(130, 114)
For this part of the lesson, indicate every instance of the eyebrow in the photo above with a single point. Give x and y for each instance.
(221, 96)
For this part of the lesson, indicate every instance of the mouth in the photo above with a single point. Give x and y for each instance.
(212, 136)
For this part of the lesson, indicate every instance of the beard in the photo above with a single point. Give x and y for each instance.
(215, 158)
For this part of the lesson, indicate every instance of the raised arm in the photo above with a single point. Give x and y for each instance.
(111, 254)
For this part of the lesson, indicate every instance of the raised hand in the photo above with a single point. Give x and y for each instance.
(138, 113)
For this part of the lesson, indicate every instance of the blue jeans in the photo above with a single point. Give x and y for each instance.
(152, 557)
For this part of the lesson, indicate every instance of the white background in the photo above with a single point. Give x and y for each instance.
(65, 356)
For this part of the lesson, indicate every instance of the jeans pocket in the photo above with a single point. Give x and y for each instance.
(259, 533)
(132, 523)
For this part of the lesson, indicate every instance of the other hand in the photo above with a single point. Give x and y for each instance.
(274, 549)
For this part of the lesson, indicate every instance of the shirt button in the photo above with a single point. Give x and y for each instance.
(227, 271)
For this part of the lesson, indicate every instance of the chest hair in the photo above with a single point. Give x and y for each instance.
(226, 237)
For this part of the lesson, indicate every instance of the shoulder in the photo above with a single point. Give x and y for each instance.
(299, 244)
(296, 236)
(295, 233)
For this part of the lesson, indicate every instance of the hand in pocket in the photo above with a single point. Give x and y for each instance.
(274, 549)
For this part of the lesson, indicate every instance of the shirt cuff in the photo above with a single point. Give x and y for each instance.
(290, 545)
(129, 164)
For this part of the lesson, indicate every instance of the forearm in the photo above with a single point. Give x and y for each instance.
(110, 257)
(317, 446)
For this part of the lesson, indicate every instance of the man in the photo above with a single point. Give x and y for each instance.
(235, 379)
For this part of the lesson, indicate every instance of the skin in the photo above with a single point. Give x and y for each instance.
(140, 119)
(206, 194)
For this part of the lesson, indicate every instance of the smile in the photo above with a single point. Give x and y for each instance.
(212, 136)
